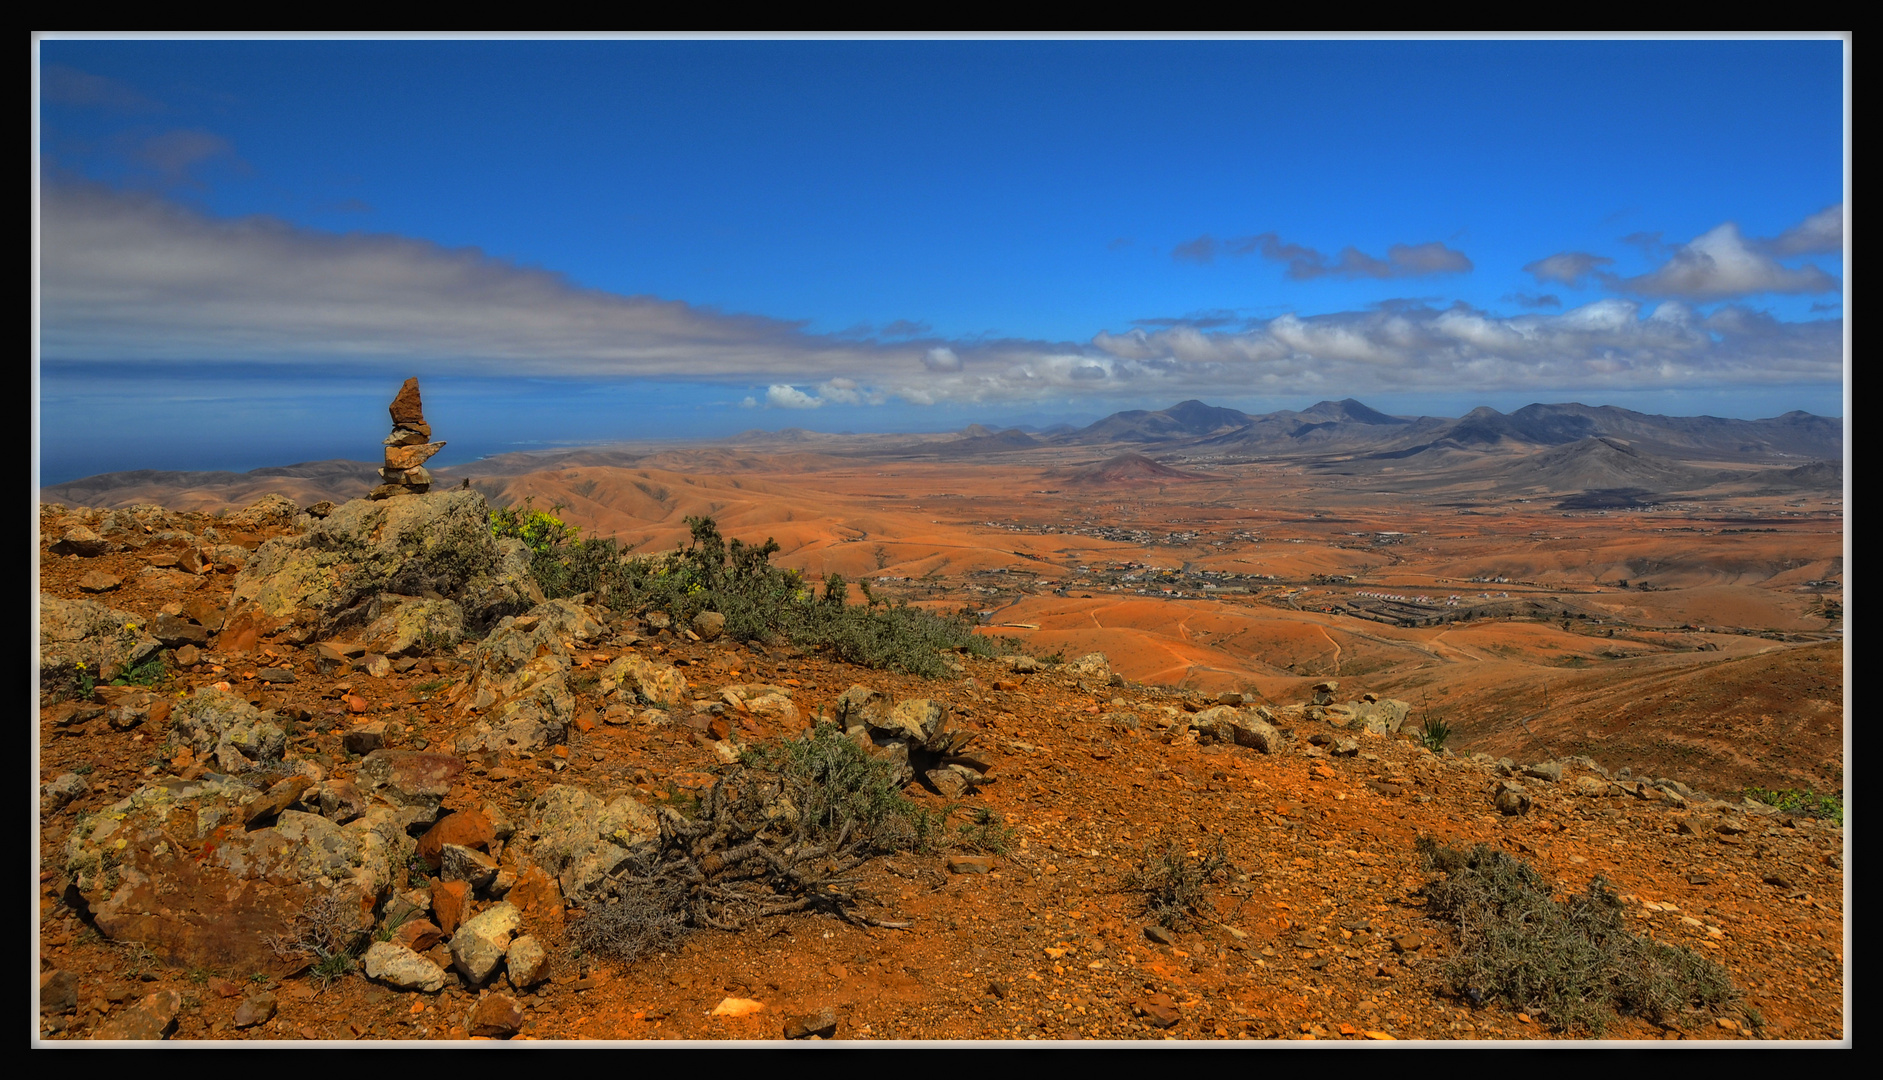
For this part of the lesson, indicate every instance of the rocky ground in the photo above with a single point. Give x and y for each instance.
(462, 764)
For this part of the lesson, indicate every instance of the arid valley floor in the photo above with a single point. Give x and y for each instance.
(1626, 608)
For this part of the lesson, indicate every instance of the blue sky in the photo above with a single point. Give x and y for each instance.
(247, 245)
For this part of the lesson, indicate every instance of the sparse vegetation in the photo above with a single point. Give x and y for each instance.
(1434, 734)
(1829, 807)
(759, 601)
(984, 832)
(779, 832)
(326, 931)
(1571, 962)
(1174, 883)
(149, 672)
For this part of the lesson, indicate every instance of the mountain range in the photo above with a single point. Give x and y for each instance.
(1556, 448)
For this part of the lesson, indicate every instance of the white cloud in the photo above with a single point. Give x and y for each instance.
(130, 278)
(1720, 264)
(1604, 344)
(780, 396)
(1820, 234)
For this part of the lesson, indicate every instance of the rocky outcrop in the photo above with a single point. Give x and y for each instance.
(367, 561)
(84, 638)
(574, 837)
(173, 867)
(219, 725)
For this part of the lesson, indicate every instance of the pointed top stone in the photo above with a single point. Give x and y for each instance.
(406, 409)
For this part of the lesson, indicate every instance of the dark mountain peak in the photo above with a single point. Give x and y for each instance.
(1349, 410)
(1201, 418)
(1481, 426)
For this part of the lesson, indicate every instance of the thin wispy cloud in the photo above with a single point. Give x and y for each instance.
(61, 84)
(1649, 242)
(1570, 268)
(1534, 300)
(1200, 250)
(1611, 343)
(175, 156)
(1306, 264)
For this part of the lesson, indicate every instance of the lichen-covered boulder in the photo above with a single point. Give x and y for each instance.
(413, 781)
(574, 837)
(331, 576)
(637, 678)
(172, 866)
(1090, 666)
(764, 701)
(914, 719)
(514, 641)
(532, 710)
(105, 640)
(414, 624)
(270, 510)
(222, 725)
(862, 706)
(518, 688)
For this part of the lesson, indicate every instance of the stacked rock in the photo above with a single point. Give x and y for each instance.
(407, 448)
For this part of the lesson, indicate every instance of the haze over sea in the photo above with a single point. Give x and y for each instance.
(245, 245)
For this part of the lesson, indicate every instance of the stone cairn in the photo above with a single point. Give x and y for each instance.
(407, 448)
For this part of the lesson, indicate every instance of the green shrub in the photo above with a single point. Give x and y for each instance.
(838, 788)
(760, 602)
(539, 531)
(149, 672)
(1571, 962)
(1828, 807)
(1433, 735)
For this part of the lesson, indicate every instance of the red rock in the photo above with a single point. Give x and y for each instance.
(272, 802)
(419, 935)
(466, 828)
(451, 905)
(244, 632)
(497, 1015)
(204, 611)
(411, 457)
(150, 1019)
(538, 897)
(356, 704)
(1159, 1010)
(96, 581)
(406, 408)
